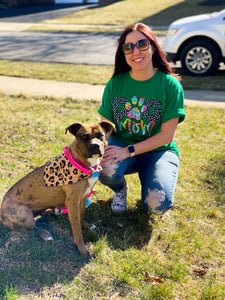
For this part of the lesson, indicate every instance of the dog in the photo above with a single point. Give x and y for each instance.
(66, 180)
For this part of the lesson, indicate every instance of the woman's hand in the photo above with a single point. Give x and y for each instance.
(115, 154)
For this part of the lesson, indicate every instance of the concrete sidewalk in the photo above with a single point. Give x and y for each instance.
(60, 89)
(36, 87)
(4, 26)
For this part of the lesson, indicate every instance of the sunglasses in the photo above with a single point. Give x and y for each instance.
(142, 45)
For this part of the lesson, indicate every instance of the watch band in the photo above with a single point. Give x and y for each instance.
(131, 150)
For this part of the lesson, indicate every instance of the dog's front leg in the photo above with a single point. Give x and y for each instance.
(84, 224)
(73, 207)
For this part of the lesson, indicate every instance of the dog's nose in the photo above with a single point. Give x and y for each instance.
(95, 148)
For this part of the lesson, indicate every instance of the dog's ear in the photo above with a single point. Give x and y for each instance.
(73, 128)
(107, 126)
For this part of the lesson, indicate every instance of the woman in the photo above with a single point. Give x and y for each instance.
(145, 101)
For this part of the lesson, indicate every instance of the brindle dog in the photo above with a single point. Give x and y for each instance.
(52, 185)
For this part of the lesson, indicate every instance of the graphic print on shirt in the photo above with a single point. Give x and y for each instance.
(136, 115)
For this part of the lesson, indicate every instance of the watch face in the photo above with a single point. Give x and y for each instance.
(131, 149)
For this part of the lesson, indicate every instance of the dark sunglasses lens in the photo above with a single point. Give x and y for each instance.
(143, 45)
(128, 48)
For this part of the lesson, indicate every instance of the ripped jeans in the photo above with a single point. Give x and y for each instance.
(158, 173)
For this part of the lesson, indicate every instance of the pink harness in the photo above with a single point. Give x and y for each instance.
(80, 165)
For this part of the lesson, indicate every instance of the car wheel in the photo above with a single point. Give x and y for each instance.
(199, 58)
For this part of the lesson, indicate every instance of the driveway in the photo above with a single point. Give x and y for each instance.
(82, 48)
(71, 48)
(75, 48)
(39, 12)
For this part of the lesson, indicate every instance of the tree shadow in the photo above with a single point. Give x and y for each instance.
(34, 13)
(212, 82)
(212, 2)
(184, 9)
(28, 264)
(215, 178)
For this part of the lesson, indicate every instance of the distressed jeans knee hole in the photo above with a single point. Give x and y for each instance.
(109, 169)
(154, 200)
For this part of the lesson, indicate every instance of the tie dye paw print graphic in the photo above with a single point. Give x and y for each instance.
(150, 110)
(136, 111)
(135, 114)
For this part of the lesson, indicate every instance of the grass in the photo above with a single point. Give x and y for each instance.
(93, 74)
(70, 28)
(153, 13)
(103, 19)
(183, 250)
(122, 13)
(179, 255)
(63, 72)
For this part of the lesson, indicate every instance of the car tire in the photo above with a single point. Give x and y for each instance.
(199, 58)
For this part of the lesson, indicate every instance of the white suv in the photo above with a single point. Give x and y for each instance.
(198, 42)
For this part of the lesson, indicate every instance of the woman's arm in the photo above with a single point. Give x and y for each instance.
(165, 136)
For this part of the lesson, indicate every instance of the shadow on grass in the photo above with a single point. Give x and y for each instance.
(215, 178)
(183, 9)
(213, 82)
(28, 264)
(122, 231)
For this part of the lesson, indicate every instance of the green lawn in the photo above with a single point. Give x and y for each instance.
(96, 74)
(152, 12)
(179, 255)
(134, 256)
(103, 19)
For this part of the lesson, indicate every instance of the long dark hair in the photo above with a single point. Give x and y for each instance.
(158, 59)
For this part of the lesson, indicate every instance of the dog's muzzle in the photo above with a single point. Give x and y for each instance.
(93, 149)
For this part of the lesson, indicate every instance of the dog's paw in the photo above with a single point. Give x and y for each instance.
(84, 252)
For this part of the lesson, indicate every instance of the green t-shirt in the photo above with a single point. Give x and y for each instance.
(139, 108)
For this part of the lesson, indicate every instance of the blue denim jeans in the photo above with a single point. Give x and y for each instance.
(158, 173)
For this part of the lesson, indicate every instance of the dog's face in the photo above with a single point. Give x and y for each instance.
(90, 142)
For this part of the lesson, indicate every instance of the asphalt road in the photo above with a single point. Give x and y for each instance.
(39, 12)
(82, 48)
(74, 48)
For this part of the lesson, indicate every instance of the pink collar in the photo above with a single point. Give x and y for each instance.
(81, 165)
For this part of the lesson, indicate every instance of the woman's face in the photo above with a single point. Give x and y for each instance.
(139, 60)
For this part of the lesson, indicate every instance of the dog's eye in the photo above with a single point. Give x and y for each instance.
(85, 137)
(99, 136)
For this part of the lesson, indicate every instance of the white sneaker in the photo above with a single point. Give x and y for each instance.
(119, 202)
